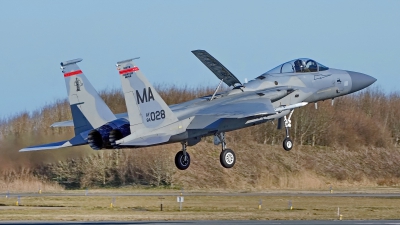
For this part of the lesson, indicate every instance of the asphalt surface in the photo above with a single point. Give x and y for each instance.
(295, 194)
(221, 222)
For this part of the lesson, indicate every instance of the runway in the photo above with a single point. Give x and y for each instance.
(220, 222)
(294, 194)
(148, 207)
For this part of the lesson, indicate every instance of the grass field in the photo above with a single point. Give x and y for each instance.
(95, 208)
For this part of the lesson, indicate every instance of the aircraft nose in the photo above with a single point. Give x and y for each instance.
(360, 81)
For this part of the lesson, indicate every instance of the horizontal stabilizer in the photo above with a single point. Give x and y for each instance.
(75, 141)
(68, 123)
(54, 145)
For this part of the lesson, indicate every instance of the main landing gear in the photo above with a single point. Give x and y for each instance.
(182, 158)
(227, 156)
(287, 142)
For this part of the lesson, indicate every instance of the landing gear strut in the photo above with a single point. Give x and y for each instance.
(227, 156)
(287, 142)
(182, 158)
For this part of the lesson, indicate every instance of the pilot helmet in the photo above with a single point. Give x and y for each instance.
(299, 65)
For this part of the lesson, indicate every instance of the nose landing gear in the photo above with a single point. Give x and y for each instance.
(287, 142)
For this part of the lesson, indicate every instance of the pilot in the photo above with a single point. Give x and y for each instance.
(312, 66)
(299, 65)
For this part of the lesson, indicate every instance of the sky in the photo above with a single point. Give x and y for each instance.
(248, 37)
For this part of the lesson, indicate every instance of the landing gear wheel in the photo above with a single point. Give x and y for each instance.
(227, 158)
(182, 161)
(287, 144)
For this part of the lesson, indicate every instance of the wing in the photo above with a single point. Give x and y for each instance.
(240, 109)
(217, 68)
(289, 107)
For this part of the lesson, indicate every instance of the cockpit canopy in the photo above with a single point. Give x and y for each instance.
(302, 65)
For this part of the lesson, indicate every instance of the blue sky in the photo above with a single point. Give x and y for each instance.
(248, 37)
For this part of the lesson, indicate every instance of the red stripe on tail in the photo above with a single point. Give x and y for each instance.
(72, 73)
(129, 70)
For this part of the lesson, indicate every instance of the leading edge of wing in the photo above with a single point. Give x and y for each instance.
(54, 145)
(240, 109)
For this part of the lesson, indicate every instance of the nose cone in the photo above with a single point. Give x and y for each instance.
(360, 81)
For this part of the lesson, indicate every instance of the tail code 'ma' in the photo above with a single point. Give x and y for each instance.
(146, 109)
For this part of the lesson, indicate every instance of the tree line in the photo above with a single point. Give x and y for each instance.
(366, 119)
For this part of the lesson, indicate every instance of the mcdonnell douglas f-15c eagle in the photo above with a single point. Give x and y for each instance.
(150, 121)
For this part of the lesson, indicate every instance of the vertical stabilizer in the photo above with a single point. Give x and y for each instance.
(88, 108)
(146, 109)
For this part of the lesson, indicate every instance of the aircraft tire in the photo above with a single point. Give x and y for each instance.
(287, 144)
(227, 158)
(181, 162)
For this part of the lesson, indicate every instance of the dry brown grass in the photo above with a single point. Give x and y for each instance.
(22, 180)
(352, 143)
(262, 167)
(259, 167)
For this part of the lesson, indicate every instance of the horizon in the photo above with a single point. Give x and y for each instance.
(249, 38)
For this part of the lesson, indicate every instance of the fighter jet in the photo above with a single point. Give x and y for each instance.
(274, 95)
